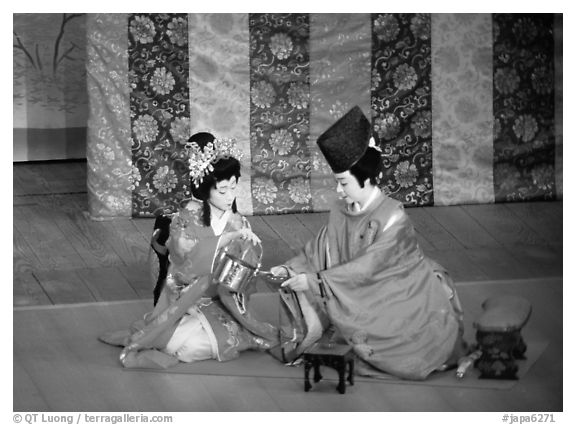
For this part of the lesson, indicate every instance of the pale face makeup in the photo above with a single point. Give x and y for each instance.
(222, 196)
(349, 189)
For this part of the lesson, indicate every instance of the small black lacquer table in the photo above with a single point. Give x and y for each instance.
(336, 356)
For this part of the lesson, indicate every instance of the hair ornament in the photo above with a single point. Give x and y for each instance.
(201, 161)
(372, 144)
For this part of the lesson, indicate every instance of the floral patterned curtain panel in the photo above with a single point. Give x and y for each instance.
(402, 104)
(464, 106)
(462, 111)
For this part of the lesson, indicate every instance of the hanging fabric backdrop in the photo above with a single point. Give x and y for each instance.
(466, 107)
(50, 104)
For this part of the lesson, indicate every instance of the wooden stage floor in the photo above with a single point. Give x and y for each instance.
(61, 257)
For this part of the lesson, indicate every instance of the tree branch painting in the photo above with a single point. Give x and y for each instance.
(19, 45)
(56, 60)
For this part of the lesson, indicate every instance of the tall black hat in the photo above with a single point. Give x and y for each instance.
(346, 141)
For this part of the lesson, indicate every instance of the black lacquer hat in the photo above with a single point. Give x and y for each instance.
(346, 141)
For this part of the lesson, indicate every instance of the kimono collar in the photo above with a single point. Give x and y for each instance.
(355, 207)
(218, 224)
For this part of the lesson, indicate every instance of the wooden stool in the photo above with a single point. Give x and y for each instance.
(336, 356)
(498, 336)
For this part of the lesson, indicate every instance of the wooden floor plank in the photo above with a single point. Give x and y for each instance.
(64, 176)
(64, 286)
(544, 218)
(313, 221)
(236, 398)
(275, 250)
(23, 257)
(101, 248)
(27, 397)
(70, 372)
(138, 277)
(290, 229)
(497, 263)
(431, 230)
(145, 226)
(31, 179)
(107, 284)
(46, 239)
(423, 242)
(460, 267)
(86, 239)
(462, 226)
(503, 225)
(94, 240)
(17, 188)
(27, 290)
(129, 244)
(537, 260)
(261, 228)
(55, 378)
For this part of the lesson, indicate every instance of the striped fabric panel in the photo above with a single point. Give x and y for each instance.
(462, 108)
(467, 107)
(280, 112)
(220, 85)
(523, 107)
(110, 177)
(558, 101)
(159, 111)
(339, 79)
(401, 104)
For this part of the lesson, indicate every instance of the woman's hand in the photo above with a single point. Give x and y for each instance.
(297, 283)
(246, 233)
(126, 352)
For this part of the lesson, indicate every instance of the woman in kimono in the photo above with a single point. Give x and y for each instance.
(366, 275)
(194, 319)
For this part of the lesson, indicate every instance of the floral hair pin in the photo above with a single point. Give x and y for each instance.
(201, 161)
(372, 144)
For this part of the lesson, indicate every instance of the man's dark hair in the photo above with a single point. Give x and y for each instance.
(368, 166)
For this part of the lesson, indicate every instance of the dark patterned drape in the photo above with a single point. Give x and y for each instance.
(159, 111)
(279, 112)
(523, 107)
(401, 104)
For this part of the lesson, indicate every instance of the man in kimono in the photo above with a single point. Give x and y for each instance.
(365, 274)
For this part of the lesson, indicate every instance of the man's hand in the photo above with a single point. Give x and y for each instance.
(297, 283)
(281, 271)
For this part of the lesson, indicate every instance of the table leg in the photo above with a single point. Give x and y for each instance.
(342, 376)
(317, 375)
(351, 371)
(307, 367)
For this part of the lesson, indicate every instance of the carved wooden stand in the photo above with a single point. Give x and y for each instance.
(336, 356)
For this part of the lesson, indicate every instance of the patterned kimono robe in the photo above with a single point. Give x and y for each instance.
(397, 308)
(192, 248)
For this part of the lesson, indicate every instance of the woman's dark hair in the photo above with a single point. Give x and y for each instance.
(368, 166)
(224, 169)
